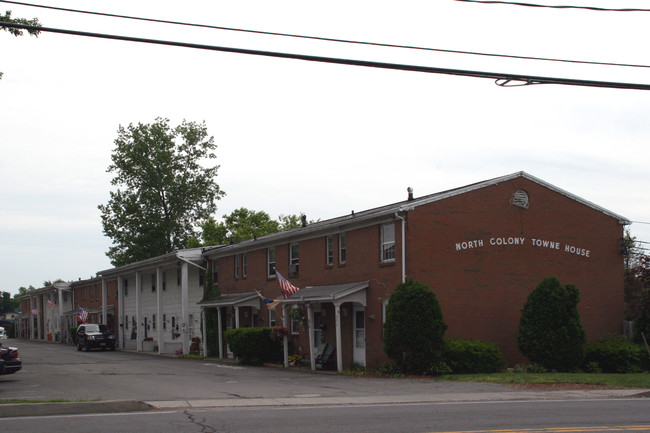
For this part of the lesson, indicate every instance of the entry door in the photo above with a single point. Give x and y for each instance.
(359, 325)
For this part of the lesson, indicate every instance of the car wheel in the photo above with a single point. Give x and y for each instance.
(79, 347)
(87, 347)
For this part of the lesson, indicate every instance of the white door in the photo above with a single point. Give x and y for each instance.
(359, 338)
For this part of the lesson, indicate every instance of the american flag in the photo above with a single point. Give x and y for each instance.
(83, 315)
(286, 287)
(50, 304)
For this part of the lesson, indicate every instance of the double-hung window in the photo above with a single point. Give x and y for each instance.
(294, 259)
(387, 241)
(243, 265)
(270, 260)
(237, 266)
(329, 252)
(342, 250)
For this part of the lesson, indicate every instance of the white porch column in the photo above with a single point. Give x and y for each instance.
(60, 322)
(120, 313)
(31, 307)
(310, 329)
(220, 331)
(237, 316)
(159, 314)
(104, 302)
(339, 355)
(204, 333)
(138, 312)
(286, 337)
(185, 296)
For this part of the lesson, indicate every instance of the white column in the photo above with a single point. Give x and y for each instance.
(104, 302)
(138, 312)
(204, 333)
(62, 332)
(185, 319)
(310, 329)
(220, 331)
(159, 309)
(120, 311)
(339, 355)
(286, 337)
(236, 316)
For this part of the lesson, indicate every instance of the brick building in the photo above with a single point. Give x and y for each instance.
(481, 248)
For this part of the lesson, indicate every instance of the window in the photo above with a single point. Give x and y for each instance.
(294, 326)
(164, 321)
(272, 320)
(126, 322)
(126, 287)
(387, 235)
(178, 274)
(215, 272)
(270, 260)
(237, 266)
(329, 251)
(90, 291)
(294, 259)
(153, 282)
(244, 266)
(342, 250)
(153, 321)
(164, 282)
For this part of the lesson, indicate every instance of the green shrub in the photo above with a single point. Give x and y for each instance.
(550, 333)
(73, 334)
(389, 369)
(253, 345)
(616, 354)
(473, 356)
(414, 329)
(439, 368)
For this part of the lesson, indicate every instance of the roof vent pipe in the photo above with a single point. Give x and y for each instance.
(410, 191)
(303, 218)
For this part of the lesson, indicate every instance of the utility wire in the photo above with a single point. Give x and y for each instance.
(501, 79)
(534, 5)
(319, 38)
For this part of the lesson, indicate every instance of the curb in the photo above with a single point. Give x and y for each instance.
(67, 408)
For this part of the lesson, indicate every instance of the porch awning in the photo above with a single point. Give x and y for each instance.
(248, 299)
(336, 293)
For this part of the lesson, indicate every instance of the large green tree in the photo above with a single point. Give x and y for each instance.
(550, 332)
(6, 18)
(165, 187)
(243, 224)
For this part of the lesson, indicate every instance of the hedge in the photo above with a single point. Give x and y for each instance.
(253, 345)
(473, 356)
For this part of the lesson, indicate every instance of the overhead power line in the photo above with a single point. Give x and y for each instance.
(534, 5)
(501, 79)
(320, 38)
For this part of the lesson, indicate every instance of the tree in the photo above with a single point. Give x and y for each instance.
(7, 303)
(243, 224)
(550, 332)
(414, 329)
(164, 189)
(6, 18)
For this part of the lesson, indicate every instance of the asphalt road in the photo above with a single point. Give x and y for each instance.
(148, 393)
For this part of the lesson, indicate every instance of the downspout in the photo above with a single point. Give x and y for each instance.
(403, 210)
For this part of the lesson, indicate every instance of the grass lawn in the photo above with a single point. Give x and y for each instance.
(638, 380)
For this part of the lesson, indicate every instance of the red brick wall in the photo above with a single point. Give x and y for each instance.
(482, 290)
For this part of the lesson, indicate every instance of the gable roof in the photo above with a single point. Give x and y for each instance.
(190, 255)
(387, 213)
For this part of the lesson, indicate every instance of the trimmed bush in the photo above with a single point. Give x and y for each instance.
(414, 329)
(473, 356)
(550, 333)
(253, 345)
(616, 354)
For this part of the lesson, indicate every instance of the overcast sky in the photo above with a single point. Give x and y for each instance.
(323, 139)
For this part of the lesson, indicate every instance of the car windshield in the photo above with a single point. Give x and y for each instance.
(92, 328)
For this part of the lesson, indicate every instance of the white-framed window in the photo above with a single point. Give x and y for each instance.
(387, 242)
(153, 321)
(164, 281)
(329, 250)
(164, 321)
(215, 272)
(153, 283)
(272, 320)
(294, 259)
(126, 322)
(236, 266)
(244, 265)
(294, 326)
(342, 250)
(270, 260)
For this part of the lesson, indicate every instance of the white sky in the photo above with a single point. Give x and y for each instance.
(323, 139)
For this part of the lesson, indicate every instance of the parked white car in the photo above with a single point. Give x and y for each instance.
(3, 334)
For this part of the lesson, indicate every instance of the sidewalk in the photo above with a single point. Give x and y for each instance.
(98, 407)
